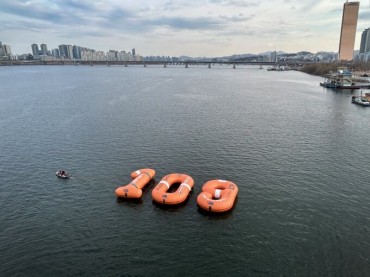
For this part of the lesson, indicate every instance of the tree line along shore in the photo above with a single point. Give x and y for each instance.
(322, 69)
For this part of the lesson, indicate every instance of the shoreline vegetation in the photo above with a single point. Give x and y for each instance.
(322, 69)
(319, 69)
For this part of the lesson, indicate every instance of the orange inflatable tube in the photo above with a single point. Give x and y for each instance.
(217, 196)
(140, 178)
(161, 195)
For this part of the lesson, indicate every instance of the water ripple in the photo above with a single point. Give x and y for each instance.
(297, 153)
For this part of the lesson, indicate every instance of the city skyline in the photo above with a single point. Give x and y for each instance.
(194, 28)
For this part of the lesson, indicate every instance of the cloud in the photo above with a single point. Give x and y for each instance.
(235, 3)
(364, 15)
(114, 18)
(228, 25)
(245, 4)
(56, 13)
(188, 23)
(85, 6)
(21, 25)
(236, 18)
(28, 10)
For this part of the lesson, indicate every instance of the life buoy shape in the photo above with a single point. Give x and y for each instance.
(217, 196)
(160, 194)
(140, 178)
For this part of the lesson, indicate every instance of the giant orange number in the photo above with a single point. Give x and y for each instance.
(140, 178)
(161, 195)
(217, 196)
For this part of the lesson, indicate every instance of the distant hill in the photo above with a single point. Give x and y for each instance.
(303, 53)
(268, 53)
(244, 57)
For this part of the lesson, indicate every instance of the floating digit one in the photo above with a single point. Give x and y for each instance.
(217, 196)
(160, 194)
(140, 178)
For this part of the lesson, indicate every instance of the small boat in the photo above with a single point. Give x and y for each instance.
(342, 79)
(162, 194)
(359, 100)
(134, 190)
(329, 84)
(62, 174)
(217, 196)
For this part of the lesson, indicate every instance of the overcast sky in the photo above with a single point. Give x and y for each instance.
(176, 27)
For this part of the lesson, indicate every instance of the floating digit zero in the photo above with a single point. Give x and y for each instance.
(161, 195)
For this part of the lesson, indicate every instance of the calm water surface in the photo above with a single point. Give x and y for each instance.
(298, 152)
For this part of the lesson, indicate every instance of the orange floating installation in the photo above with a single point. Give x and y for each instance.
(161, 195)
(217, 196)
(140, 178)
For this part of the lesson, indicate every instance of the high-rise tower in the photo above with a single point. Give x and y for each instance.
(44, 49)
(348, 30)
(35, 49)
(365, 41)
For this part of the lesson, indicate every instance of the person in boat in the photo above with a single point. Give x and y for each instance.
(61, 173)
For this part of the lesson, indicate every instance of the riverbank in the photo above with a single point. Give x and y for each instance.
(320, 69)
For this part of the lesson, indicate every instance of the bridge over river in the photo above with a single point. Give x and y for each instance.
(186, 64)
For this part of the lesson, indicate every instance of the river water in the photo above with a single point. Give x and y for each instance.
(298, 152)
